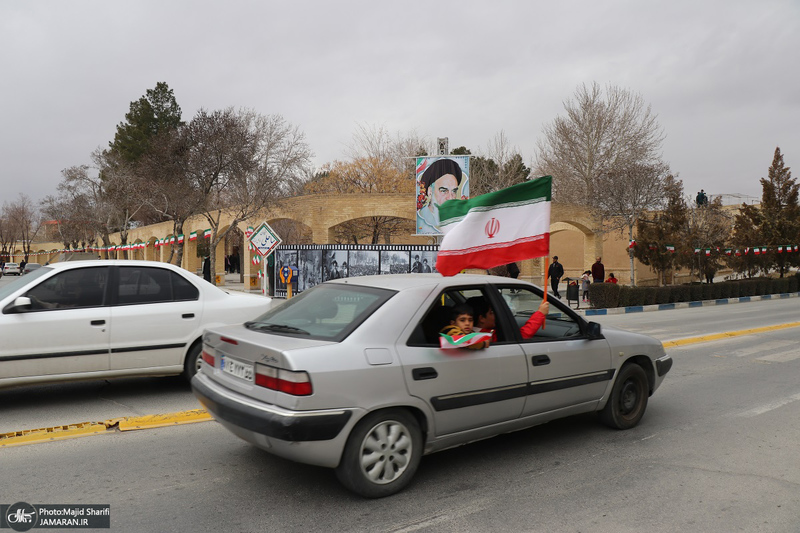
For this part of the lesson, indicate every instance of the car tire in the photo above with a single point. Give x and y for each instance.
(382, 454)
(628, 401)
(193, 361)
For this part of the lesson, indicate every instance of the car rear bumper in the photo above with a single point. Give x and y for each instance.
(313, 437)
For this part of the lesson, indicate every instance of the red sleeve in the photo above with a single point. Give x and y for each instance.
(532, 325)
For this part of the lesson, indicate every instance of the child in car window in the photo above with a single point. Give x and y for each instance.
(485, 320)
(461, 322)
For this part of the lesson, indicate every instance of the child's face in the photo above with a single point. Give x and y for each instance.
(464, 322)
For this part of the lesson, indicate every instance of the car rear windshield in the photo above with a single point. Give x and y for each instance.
(329, 311)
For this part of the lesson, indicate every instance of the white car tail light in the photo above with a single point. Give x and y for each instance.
(288, 381)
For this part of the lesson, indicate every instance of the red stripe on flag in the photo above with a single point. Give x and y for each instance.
(451, 262)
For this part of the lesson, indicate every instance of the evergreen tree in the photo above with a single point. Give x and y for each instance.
(780, 213)
(705, 235)
(155, 112)
(775, 223)
(659, 236)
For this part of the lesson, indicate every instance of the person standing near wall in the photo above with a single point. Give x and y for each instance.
(555, 272)
(598, 272)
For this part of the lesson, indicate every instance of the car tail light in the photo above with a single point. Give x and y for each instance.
(229, 340)
(208, 358)
(288, 381)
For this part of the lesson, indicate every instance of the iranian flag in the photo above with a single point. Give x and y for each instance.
(193, 236)
(670, 248)
(207, 234)
(462, 341)
(497, 228)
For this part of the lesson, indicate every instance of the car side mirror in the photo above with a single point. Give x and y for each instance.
(22, 303)
(593, 330)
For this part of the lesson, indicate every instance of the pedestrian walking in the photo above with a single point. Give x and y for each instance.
(555, 272)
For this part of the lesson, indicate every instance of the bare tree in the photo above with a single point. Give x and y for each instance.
(399, 150)
(708, 227)
(240, 162)
(630, 192)
(598, 134)
(8, 235)
(120, 192)
(80, 209)
(166, 187)
(23, 216)
(498, 166)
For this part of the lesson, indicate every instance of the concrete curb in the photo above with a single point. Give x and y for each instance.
(83, 429)
(683, 305)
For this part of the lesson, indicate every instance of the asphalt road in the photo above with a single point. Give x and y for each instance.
(716, 451)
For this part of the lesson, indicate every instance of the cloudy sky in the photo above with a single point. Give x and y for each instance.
(722, 75)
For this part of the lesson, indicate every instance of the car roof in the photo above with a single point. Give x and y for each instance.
(401, 282)
(68, 265)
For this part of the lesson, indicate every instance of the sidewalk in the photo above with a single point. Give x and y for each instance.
(682, 305)
(233, 283)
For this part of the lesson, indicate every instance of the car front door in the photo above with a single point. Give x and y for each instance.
(465, 388)
(155, 314)
(566, 368)
(65, 330)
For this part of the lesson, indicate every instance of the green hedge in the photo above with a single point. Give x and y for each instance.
(606, 295)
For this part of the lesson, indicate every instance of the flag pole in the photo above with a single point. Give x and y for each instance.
(546, 277)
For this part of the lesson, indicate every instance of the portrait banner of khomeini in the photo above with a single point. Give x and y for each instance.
(439, 179)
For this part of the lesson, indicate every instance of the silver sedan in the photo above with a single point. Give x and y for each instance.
(353, 375)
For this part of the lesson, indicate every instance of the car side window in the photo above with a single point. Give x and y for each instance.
(439, 315)
(523, 303)
(71, 289)
(144, 285)
(182, 289)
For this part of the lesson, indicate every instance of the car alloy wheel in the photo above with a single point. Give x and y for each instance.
(382, 454)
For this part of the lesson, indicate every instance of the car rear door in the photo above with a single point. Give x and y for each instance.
(465, 388)
(566, 369)
(65, 330)
(155, 314)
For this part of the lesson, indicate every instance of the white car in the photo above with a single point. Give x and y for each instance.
(11, 268)
(100, 319)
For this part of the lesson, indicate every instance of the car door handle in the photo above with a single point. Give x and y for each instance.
(98, 322)
(187, 315)
(427, 372)
(540, 360)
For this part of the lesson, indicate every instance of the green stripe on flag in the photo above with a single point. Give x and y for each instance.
(530, 192)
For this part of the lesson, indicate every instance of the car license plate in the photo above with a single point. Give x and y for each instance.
(236, 368)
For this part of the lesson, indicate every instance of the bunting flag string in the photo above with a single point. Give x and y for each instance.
(747, 250)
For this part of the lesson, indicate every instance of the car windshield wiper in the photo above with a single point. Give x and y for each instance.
(275, 327)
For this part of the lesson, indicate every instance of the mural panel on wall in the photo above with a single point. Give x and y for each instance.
(314, 263)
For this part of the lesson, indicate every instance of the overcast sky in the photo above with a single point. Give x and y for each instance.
(723, 76)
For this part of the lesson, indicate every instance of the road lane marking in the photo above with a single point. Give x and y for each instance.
(727, 335)
(770, 406)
